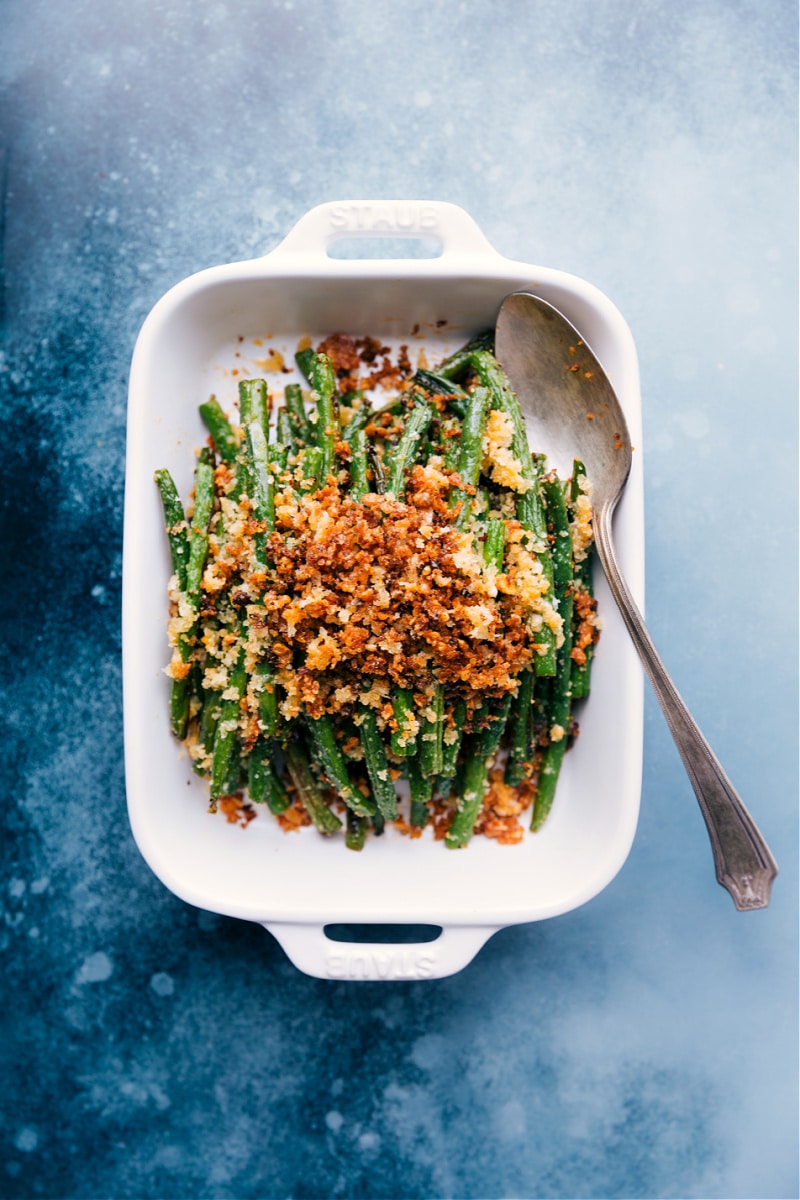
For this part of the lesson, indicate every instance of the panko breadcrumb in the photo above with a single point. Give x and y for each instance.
(351, 598)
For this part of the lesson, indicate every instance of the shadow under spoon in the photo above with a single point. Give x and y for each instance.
(572, 415)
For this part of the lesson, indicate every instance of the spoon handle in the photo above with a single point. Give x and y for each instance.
(743, 862)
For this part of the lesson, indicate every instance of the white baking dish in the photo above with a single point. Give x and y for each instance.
(196, 337)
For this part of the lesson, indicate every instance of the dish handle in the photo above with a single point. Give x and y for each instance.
(453, 229)
(314, 953)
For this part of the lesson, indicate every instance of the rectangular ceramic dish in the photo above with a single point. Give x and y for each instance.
(231, 319)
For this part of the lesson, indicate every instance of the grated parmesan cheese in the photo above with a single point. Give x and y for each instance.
(499, 462)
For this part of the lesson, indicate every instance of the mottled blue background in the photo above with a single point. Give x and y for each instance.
(643, 1046)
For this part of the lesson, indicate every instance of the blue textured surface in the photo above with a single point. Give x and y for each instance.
(644, 1046)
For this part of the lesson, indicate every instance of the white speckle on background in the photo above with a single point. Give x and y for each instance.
(429, 1051)
(162, 984)
(97, 968)
(369, 1140)
(27, 1140)
(16, 888)
(40, 885)
(334, 1120)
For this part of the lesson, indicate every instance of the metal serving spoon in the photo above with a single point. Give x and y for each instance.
(578, 416)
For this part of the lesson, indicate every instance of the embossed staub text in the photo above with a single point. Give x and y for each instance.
(374, 962)
(384, 218)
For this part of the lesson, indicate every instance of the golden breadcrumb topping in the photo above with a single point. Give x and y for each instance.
(346, 599)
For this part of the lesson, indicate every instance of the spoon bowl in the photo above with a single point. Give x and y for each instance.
(571, 411)
(570, 407)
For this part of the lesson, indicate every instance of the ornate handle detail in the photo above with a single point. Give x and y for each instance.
(744, 864)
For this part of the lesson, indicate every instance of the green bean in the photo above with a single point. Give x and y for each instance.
(480, 751)
(457, 407)
(558, 716)
(175, 524)
(263, 784)
(377, 765)
(437, 385)
(268, 711)
(227, 730)
(431, 733)
(519, 750)
(356, 831)
(404, 738)
(452, 745)
(359, 417)
(461, 361)
(219, 427)
(494, 544)
(299, 424)
(283, 427)
(278, 456)
(236, 776)
(470, 454)
(198, 530)
(450, 434)
(359, 466)
(308, 789)
(263, 485)
(252, 408)
(583, 593)
(305, 361)
(417, 422)
(329, 756)
(323, 383)
(264, 510)
(180, 691)
(311, 468)
(421, 789)
(207, 726)
(253, 402)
